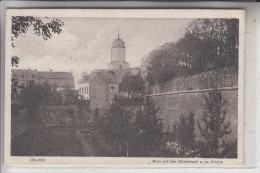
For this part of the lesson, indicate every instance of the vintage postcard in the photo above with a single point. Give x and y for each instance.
(124, 88)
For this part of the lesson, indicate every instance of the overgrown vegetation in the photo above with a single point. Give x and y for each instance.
(214, 126)
(20, 25)
(135, 132)
(128, 132)
(206, 44)
(132, 127)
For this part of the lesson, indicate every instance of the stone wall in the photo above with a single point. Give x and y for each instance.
(183, 95)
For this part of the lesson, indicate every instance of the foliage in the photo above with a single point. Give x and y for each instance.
(15, 61)
(210, 43)
(183, 137)
(20, 25)
(128, 131)
(120, 128)
(14, 82)
(207, 44)
(148, 130)
(163, 64)
(35, 97)
(126, 101)
(70, 96)
(230, 149)
(214, 126)
(133, 85)
(83, 106)
(185, 129)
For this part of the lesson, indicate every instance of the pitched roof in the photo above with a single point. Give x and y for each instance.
(54, 75)
(103, 75)
(22, 74)
(61, 79)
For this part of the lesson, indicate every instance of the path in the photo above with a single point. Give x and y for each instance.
(86, 149)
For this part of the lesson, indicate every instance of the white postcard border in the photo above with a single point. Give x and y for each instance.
(123, 161)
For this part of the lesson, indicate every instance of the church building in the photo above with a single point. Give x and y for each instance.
(104, 83)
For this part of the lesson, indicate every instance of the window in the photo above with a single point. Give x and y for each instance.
(31, 82)
(112, 90)
(120, 67)
(87, 89)
(84, 90)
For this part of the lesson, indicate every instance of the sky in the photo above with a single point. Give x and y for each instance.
(85, 43)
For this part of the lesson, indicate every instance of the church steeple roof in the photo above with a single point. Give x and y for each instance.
(118, 43)
(118, 33)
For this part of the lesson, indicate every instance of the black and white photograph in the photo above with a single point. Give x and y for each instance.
(124, 87)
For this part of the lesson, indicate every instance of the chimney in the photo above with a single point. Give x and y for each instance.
(36, 69)
(50, 70)
(29, 69)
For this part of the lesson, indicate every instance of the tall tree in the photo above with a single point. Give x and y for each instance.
(186, 132)
(213, 125)
(120, 128)
(35, 98)
(183, 136)
(133, 85)
(148, 127)
(210, 43)
(207, 44)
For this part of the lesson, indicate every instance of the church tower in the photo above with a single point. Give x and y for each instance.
(118, 55)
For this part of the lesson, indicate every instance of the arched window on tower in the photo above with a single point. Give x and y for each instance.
(112, 90)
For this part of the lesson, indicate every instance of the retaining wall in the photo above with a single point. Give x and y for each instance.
(183, 95)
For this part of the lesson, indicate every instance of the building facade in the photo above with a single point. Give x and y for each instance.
(83, 87)
(104, 83)
(61, 80)
(103, 86)
(25, 77)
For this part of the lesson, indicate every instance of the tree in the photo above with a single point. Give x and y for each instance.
(70, 96)
(185, 129)
(21, 24)
(120, 129)
(183, 137)
(163, 64)
(214, 126)
(206, 44)
(35, 97)
(133, 85)
(209, 44)
(148, 140)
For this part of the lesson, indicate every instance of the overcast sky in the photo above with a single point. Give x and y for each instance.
(85, 43)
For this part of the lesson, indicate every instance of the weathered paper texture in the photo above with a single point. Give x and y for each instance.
(86, 45)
